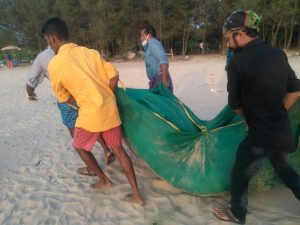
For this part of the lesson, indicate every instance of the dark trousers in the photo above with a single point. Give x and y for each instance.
(248, 161)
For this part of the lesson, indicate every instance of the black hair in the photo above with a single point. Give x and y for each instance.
(149, 29)
(56, 26)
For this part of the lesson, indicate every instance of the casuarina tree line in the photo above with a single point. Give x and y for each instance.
(111, 26)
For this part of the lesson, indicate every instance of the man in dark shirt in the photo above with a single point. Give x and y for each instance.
(262, 87)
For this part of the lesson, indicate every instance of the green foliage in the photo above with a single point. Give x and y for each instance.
(111, 26)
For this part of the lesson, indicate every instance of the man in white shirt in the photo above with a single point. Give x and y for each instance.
(39, 70)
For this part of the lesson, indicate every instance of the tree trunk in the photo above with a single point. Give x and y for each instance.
(285, 37)
(37, 35)
(183, 42)
(263, 24)
(185, 37)
(204, 37)
(275, 33)
(291, 35)
(292, 28)
(298, 40)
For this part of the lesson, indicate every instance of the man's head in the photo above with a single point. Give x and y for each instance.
(55, 31)
(146, 32)
(240, 28)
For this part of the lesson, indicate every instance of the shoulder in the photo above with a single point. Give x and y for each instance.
(54, 62)
(87, 51)
(275, 52)
(45, 56)
(155, 45)
(94, 52)
(154, 41)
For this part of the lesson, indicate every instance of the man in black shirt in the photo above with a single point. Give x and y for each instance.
(262, 87)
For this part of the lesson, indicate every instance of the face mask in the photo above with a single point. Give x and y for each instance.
(144, 43)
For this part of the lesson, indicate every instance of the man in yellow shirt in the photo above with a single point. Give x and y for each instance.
(81, 75)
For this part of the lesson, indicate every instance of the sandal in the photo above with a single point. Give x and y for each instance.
(225, 214)
(86, 171)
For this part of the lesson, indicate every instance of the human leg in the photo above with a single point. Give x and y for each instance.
(69, 116)
(82, 170)
(285, 172)
(113, 138)
(247, 163)
(130, 174)
(109, 156)
(83, 142)
(92, 164)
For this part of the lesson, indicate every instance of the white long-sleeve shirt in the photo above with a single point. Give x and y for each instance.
(39, 68)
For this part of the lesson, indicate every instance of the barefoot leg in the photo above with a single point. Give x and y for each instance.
(129, 172)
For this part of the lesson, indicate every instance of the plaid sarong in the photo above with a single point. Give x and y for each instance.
(86, 140)
(155, 81)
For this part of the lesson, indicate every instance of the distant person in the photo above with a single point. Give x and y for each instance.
(156, 60)
(9, 60)
(80, 75)
(262, 87)
(201, 45)
(36, 75)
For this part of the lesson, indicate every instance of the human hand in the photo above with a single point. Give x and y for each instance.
(166, 83)
(32, 97)
(71, 100)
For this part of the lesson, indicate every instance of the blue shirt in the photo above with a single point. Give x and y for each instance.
(154, 56)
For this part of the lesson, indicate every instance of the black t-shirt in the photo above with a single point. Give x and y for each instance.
(259, 77)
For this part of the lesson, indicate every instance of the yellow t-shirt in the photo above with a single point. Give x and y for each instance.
(82, 73)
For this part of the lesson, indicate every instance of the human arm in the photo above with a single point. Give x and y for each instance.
(293, 88)
(111, 74)
(30, 93)
(164, 74)
(113, 83)
(58, 87)
(159, 53)
(290, 99)
(34, 78)
(62, 95)
(239, 111)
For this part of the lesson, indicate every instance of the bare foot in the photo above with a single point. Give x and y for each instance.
(134, 199)
(109, 158)
(101, 185)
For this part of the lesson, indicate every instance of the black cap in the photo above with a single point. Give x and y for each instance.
(242, 19)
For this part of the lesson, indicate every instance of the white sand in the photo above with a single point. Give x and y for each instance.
(39, 183)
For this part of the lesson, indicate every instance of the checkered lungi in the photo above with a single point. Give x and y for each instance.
(86, 140)
(157, 79)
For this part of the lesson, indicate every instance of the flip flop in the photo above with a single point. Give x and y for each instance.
(225, 214)
(86, 171)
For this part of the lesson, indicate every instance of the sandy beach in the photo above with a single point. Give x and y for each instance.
(38, 166)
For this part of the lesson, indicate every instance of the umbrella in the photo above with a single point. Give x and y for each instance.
(10, 47)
